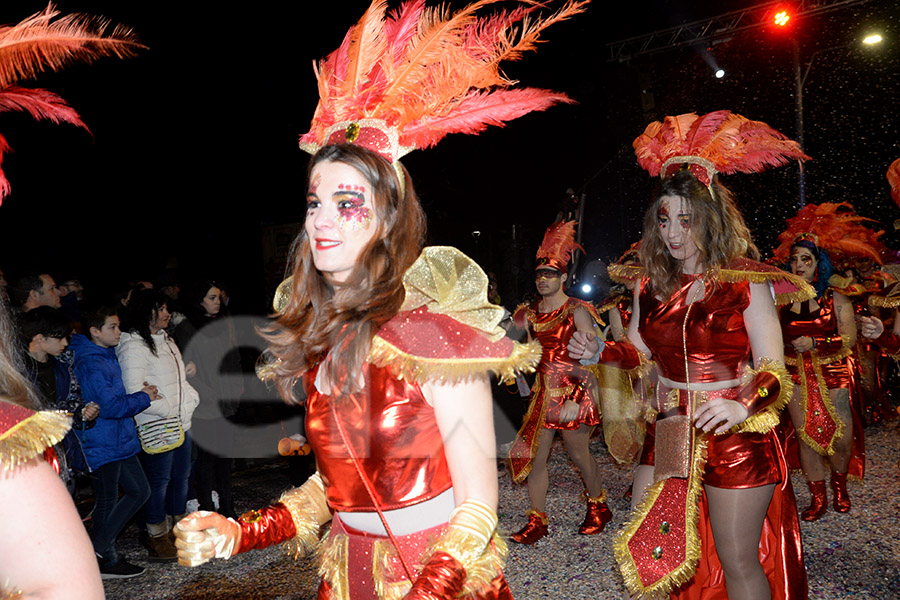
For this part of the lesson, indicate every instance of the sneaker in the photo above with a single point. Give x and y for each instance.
(122, 569)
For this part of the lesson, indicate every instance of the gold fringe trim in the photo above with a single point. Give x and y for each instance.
(822, 360)
(28, 438)
(307, 505)
(333, 565)
(885, 301)
(7, 592)
(610, 304)
(418, 369)
(683, 573)
(769, 417)
(389, 584)
(804, 290)
(535, 396)
(483, 563)
(625, 273)
(829, 406)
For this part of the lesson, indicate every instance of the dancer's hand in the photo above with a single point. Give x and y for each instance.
(803, 344)
(203, 535)
(568, 412)
(871, 327)
(583, 345)
(720, 410)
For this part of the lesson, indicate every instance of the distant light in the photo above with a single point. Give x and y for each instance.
(782, 18)
(586, 288)
(720, 73)
(872, 39)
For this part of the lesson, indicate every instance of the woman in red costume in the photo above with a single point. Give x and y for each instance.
(819, 335)
(393, 347)
(563, 397)
(719, 520)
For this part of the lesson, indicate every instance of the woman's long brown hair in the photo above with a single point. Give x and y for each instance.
(341, 318)
(13, 385)
(717, 228)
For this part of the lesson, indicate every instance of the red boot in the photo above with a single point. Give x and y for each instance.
(819, 503)
(839, 491)
(598, 515)
(534, 529)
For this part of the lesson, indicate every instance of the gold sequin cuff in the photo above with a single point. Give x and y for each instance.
(309, 510)
(768, 416)
(472, 539)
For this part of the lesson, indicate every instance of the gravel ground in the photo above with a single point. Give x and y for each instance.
(847, 556)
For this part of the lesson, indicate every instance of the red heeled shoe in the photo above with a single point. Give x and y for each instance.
(839, 491)
(819, 503)
(598, 515)
(534, 529)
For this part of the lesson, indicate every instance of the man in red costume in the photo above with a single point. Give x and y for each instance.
(561, 398)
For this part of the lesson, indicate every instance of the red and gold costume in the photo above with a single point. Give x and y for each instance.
(380, 449)
(828, 365)
(24, 436)
(706, 341)
(559, 378)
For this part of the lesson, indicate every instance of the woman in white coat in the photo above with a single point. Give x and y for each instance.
(147, 354)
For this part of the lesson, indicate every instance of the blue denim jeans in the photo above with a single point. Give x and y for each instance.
(168, 474)
(112, 513)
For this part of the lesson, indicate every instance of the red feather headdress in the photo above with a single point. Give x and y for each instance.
(43, 42)
(893, 177)
(558, 246)
(717, 142)
(835, 227)
(403, 81)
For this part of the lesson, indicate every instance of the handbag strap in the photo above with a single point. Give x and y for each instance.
(177, 370)
(368, 485)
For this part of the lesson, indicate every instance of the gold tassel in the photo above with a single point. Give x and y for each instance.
(333, 566)
(28, 438)
(308, 507)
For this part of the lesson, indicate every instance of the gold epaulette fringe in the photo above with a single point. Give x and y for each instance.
(804, 290)
(29, 438)
(418, 369)
(685, 571)
(333, 558)
(304, 508)
(768, 418)
(610, 304)
(625, 273)
(885, 301)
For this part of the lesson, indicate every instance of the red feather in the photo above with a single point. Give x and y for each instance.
(893, 177)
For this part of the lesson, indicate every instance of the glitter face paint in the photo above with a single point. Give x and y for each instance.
(353, 214)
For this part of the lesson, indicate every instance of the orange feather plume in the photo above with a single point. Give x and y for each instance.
(724, 142)
(893, 177)
(558, 246)
(427, 73)
(42, 42)
(837, 228)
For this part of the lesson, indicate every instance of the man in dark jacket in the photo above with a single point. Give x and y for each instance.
(111, 447)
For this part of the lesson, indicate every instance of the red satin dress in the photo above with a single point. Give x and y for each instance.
(718, 348)
(836, 366)
(559, 378)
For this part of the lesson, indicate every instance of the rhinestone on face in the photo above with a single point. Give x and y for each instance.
(657, 553)
(665, 528)
(352, 132)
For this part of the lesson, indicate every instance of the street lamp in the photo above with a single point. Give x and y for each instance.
(800, 81)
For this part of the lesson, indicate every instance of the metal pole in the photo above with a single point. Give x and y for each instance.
(798, 97)
(578, 232)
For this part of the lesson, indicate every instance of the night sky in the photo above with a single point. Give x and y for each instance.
(194, 149)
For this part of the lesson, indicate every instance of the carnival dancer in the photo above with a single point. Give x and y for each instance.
(703, 311)
(562, 398)
(819, 335)
(393, 350)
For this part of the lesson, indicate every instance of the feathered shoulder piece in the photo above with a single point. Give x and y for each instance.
(835, 227)
(558, 246)
(446, 329)
(717, 142)
(403, 81)
(893, 177)
(41, 42)
(26, 434)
